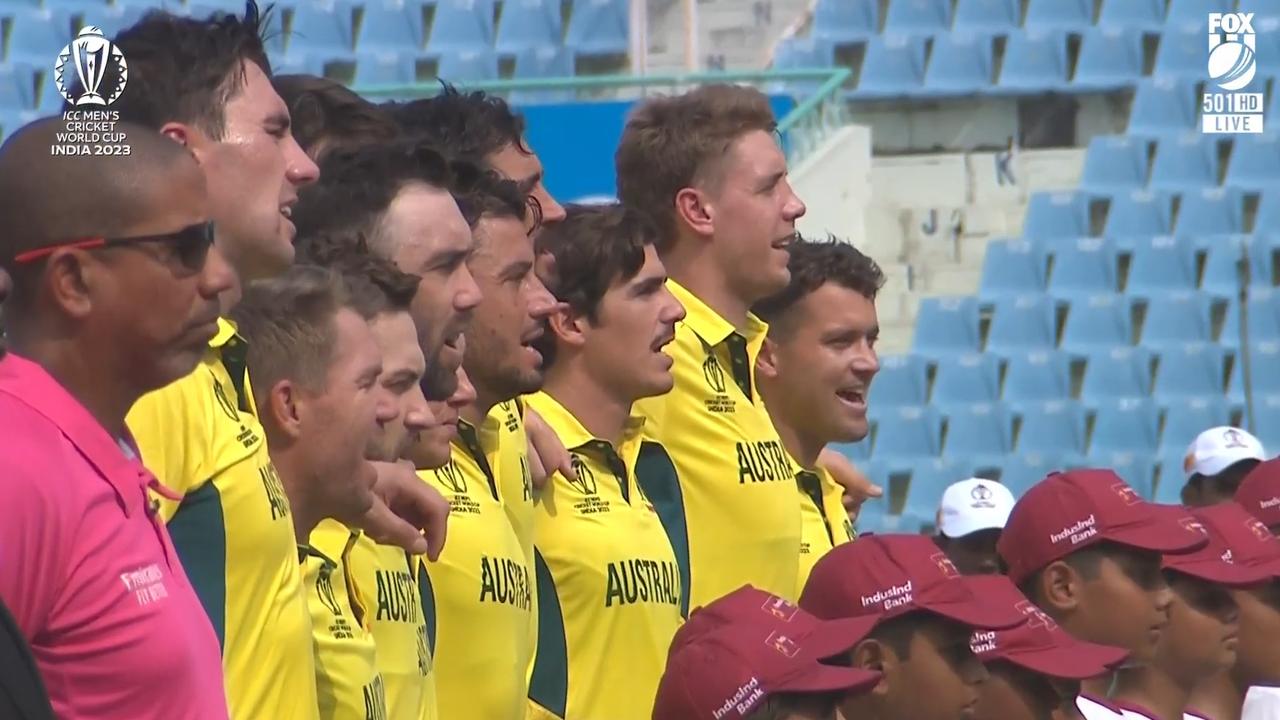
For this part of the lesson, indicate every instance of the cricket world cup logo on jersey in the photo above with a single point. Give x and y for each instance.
(1232, 65)
(90, 73)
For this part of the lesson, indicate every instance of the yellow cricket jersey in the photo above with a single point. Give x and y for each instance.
(824, 523)
(483, 589)
(510, 461)
(609, 592)
(732, 515)
(347, 678)
(233, 530)
(401, 617)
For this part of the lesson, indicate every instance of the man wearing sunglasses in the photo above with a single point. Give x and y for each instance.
(116, 292)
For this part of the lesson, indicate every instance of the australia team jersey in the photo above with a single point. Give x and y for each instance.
(483, 589)
(733, 516)
(347, 679)
(233, 530)
(823, 520)
(609, 588)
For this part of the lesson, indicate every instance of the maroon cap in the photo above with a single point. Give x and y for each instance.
(1243, 540)
(1070, 511)
(884, 576)
(748, 645)
(1259, 492)
(1038, 645)
(1215, 562)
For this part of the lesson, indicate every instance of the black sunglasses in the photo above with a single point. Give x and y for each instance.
(190, 245)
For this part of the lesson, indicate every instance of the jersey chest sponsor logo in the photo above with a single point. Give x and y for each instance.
(585, 483)
(274, 489)
(719, 402)
(397, 598)
(454, 481)
(505, 582)
(339, 627)
(146, 583)
(246, 436)
(375, 700)
(762, 461)
(636, 580)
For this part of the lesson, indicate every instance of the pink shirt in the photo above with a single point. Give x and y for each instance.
(87, 570)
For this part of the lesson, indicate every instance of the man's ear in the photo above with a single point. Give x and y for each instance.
(68, 279)
(1060, 588)
(767, 360)
(284, 411)
(694, 209)
(569, 327)
(187, 136)
(873, 654)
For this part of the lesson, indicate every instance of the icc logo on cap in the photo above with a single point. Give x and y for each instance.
(98, 66)
(1232, 65)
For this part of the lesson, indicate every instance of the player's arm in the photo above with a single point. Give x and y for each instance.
(547, 454)
(406, 511)
(858, 488)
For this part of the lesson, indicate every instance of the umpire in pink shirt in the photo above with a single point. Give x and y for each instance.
(115, 293)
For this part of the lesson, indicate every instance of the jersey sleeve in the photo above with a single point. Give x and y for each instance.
(165, 424)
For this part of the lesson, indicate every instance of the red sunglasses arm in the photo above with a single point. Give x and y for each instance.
(38, 253)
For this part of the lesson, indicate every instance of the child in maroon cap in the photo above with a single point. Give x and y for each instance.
(1087, 550)
(1259, 493)
(924, 612)
(755, 656)
(1035, 669)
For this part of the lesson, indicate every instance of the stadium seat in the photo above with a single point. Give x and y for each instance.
(802, 53)
(1189, 371)
(1172, 478)
(965, 379)
(1177, 319)
(1263, 319)
(1037, 377)
(978, 434)
(1135, 468)
(1035, 61)
(385, 69)
(1022, 324)
(1118, 372)
(1125, 425)
(1194, 14)
(390, 28)
(1255, 162)
(856, 452)
(114, 18)
(1056, 428)
(1183, 421)
(468, 66)
(1096, 322)
(1058, 15)
(321, 30)
(902, 380)
(1267, 219)
(1115, 164)
(928, 479)
(1211, 211)
(1137, 14)
(17, 87)
(1161, 264)
(1187, 163)
(1182, 54)
(528, 24)
(1085, 267)
(845, 21)
(918, 17)
(1110, 58)
(543, 62)
(291, 64)
(460, 26)
(1024, 469)
(1266, 418)
(1139, 213)
(908, 433)
(989, 16)
(946, 326)
(50, 100)
(894, 66)
(1222, 267)
(959, 64)
(1162, 107)
(599, 28)
(1056, 215)
(1264, 356)
(1012, 267)
(36, 36)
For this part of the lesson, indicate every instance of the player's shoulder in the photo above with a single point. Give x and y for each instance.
(36, 450)
(194, 390)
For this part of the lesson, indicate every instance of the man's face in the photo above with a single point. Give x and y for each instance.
(525, 169)
(1258, 660)
(1203, 632)
(754, 210)
(340, 421)
(428, 237)
(432, 447)
(824, 353)
(402, 369)
(1127, 604)
(941, 660)
(635, 319)
(254, 172)
(975, 553)
(500, 358)
(1012, 693)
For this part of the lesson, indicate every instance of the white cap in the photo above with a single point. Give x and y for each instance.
(1217, 449)
(972, 505)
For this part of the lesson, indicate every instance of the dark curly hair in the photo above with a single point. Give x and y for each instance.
(815, 263)
(474, 125)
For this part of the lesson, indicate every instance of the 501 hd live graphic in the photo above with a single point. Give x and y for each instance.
(90, 73)
(1233, 63)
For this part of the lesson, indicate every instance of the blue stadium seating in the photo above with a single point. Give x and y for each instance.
(1267, 219)
(599, 28)
(1035, 61)
(1022, 324)
(1059, 14)
(1037, 377)
(918, 17)
(461, 26)
(1135, 468)
(1189, 371)
(855, 451)
(1118, 372)
(113, 19)
(528, 24)
(946, 326)
(468, 66)
(1096, 322)
(1053, 428)
(1172, 478)
(385, 69)
(894, 66)
(1185, 420)
(908, 433)
(36, 36)
(960, 64)
(299, 64)
(1194, 14)
(543, 62)
(966, 379)
(1263, 356)
(902, 380)
(1266, 418)
(1255, 162)
(1085, 267)
(991, 16)
(928, 479)
(1161, 264)
(1182, 54)
(1189, 162)
(1211, 211)
(1012, 267)
(17, 87)
(1125, 425)
(390, 29)
(323, 31)
(1024, 469)
(803, 53)
(980, 434)
(1056, 215)
(1161, 107)
(844, 21)
(1139, 213)
(1115, 164)
(1177, 319)
(1137, 14)
(1222, 266)
(1110, 58)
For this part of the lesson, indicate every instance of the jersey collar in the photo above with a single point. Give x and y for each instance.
(226, 330)
(709, 324)
(574, 435)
